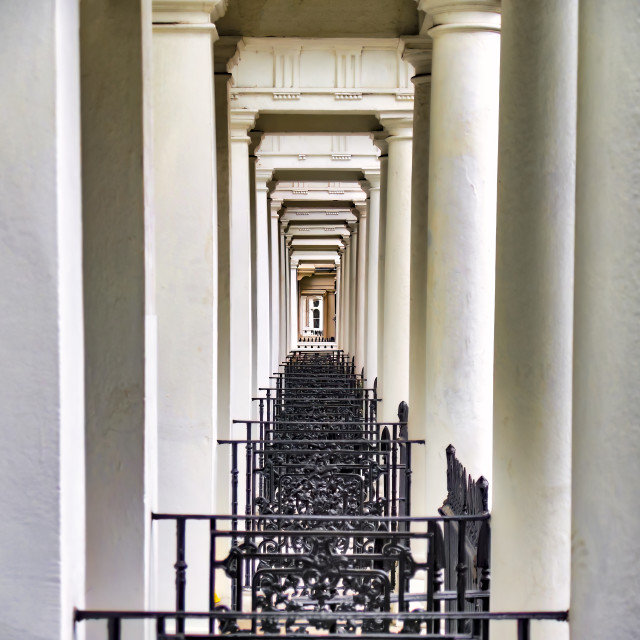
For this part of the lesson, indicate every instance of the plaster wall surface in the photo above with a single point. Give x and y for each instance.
(42, 438)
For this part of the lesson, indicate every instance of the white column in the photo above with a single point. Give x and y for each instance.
(187, 279)
(284, 303)
(263, 280)
(293, 305)
(274, 284)
(361, 285)
(42, 470)
(373, 229)
(380, 142)
(338, 336)
(223, 467)
(417, 51)
(344, 298)
(606, 365)
(461, 255)
(394, 369)
(240, 351)
(531, 512)
(353, 290)
(119, 304)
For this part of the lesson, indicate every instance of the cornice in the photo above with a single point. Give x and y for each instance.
(418, 52)
(399, 124)
(241, 121)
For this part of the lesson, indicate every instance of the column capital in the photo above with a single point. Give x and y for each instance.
(362, 208)
(462, 15)
(293, 263)
(379, 139)
(274, 207)
(256, 139)
(418, 52)
(187, 14)
(263, 176)
(372, 177)
(398, 124)
(241, 121)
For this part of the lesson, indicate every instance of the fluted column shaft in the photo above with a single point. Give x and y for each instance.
(461, 232)
(606, 363)
(534, 311)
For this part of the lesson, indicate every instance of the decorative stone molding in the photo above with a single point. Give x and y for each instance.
(397, 124)
(328, 74)
(348, 95)
(341, 156)
(418, 51)
(241, 121)
(286, 95)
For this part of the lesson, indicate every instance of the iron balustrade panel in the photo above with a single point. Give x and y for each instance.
(466, 544)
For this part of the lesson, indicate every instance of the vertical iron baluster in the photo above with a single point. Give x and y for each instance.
(212, 572)
(181, 571)
(235, 587)
(524, 629)
(247, 507)
(160, 626)
(113, 628)
(461, 570)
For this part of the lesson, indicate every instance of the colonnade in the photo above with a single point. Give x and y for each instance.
(147, 344)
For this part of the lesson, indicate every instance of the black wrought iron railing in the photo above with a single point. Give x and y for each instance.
(327, 544)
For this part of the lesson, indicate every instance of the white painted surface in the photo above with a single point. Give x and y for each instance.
(187, 282)
(394, 369)
(461, 245)
(531, 513)
(293, 305)
(284, 344)
(222, 457)
(339, 75)
(263, 284)
(418, 281)
(117, 217)
(41, 395)
(274, 274)
(606, 365)
(373, 239)
(361, 290)
(240, 267)
(382, 233)
(353, 291)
